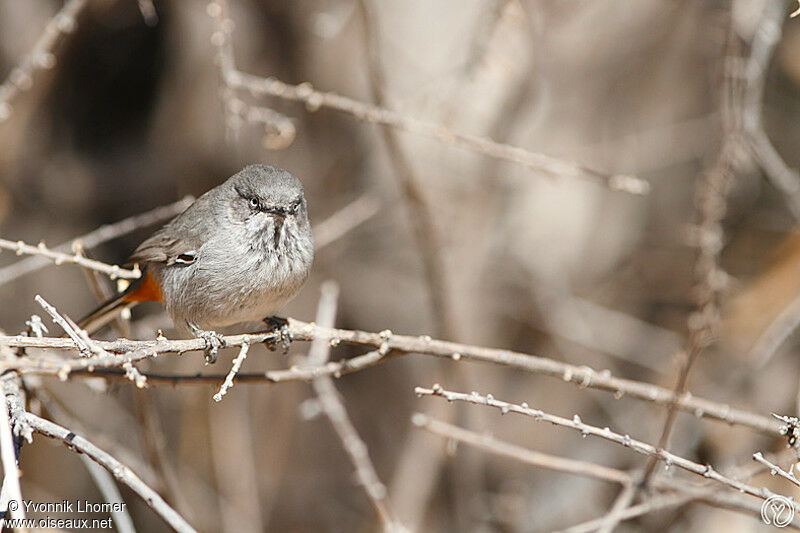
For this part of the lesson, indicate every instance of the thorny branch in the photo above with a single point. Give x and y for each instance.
(96, 237)
(657, 453)
(59, 258)
(386, 343)
(492, 445)
(314, 100)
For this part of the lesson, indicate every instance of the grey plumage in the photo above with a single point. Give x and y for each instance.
(239, 253)
(248, 261)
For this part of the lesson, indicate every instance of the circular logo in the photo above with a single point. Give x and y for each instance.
(777, 511)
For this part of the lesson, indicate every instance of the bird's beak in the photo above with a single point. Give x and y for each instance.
(279, 212)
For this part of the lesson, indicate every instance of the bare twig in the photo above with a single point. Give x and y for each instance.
(775, 469)
(426, 233)
(236, 79)
(622, 502)
(776, 333)
(711, 280)
(9, 460)
(346, 219)
(279, 130)
(41, 56)
(112, 271)
(680, 495)
(331, 405)
(96, 237)
(81, 341)
(110, 491)
(314, 100)
(655, 503)
(412, 498)
(656, 453)
(86, 345)
(237, 363)
(296, 373)
(518, 453)
(765, 39)
(123, 474)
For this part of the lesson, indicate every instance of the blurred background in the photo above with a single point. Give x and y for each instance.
(131, 114)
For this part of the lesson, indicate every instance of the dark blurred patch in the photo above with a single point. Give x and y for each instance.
(102, 97)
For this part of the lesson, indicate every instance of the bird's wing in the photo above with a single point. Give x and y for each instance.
(162, 247)
(177, 242)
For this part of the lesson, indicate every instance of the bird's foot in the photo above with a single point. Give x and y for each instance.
(285, 337)
(214, 341)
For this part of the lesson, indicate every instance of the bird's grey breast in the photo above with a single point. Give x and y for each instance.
(241, 273)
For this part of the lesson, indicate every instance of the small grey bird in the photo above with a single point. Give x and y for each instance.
(239, 253)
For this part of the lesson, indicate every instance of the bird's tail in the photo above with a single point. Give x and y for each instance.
(104, 314)
(143, 289)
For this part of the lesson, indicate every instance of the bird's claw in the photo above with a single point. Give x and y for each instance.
(214, 341)
(285, 337)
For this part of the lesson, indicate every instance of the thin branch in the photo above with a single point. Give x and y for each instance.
(314, 100)
(237, 363)
(86, 346)
(41, 57)
(105, 484)
(331, 405)
(621, 503)
(711, 204)
(346, 219)
(681, 495)
(235, 79)
(386, 342)
(765, 38)
(97, 237)
(81, 341)
(518, 453)
(121, 472)
(776, 333)
(9, 459)
(112, 271)
(655, 503)
(421, 216)
(775, 469)
(279, 129)
(336, 369)
(656, 453)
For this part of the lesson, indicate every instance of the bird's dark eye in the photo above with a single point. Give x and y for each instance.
(254, 203)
